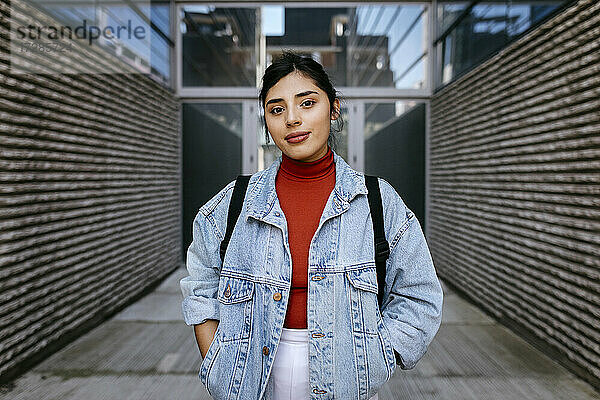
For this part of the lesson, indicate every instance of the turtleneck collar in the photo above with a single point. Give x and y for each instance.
(308, 170)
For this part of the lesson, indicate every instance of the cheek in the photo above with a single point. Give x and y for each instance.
(271, 124)
(322, 118)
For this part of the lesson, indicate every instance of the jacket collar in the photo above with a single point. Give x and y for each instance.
(262, 199)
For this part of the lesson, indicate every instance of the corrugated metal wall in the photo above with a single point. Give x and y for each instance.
(515, 186)
(89, 199)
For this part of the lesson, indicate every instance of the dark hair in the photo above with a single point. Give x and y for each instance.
(289, 62)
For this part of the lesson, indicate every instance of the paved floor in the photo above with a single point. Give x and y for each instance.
(147, 352)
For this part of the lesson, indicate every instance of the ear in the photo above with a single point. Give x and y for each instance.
(335, 114)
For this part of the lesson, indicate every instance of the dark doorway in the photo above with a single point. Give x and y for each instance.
(396, 152)
(212, 156)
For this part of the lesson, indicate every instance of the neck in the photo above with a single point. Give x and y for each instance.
(308, 170)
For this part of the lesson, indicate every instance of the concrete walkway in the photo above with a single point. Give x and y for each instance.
(147, 352)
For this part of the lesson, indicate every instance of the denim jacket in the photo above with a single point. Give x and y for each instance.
(354, 347)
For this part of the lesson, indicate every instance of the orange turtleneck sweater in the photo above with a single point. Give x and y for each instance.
(303, 189)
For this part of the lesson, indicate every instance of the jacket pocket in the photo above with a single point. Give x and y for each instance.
(384, 335)
(208, 362)
(364, 306)
(235, 310)
(373, 369)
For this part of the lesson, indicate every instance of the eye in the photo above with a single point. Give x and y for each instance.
(308, 102)
(276, 110)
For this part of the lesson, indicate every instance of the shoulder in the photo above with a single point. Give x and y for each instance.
(210, 206)
(397, 216)
(219, 203)
(212, 216)
(390, 197)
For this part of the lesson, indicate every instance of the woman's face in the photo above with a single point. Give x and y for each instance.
(298, 118)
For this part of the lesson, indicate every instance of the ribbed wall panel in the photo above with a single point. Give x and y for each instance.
(514, 212)
(89, 195)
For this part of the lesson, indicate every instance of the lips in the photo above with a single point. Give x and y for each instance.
(294, 134)
(297, 137)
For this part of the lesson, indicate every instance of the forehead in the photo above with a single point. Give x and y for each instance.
(291, 84)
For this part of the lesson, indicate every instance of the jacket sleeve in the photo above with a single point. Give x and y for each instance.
(203, 260)
(203, 263)
(412, 309)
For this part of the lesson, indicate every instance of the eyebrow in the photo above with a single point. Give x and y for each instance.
(301, 94)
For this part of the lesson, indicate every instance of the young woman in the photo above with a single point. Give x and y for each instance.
(292, 312)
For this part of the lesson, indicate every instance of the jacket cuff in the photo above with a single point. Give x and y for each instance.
(197, 310)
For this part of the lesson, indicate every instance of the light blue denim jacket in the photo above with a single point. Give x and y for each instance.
(353, 347)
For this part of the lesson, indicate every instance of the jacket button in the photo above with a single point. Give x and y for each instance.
(266, 351)
(227, 292)
(277, 296)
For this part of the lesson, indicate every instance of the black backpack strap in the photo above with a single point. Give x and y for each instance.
(382, 247)
(235, 207)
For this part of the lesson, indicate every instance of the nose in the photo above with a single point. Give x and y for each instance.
(292, 119)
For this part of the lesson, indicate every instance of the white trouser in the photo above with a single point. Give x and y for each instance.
(290, 367)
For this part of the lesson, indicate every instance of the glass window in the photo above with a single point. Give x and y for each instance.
(160, 57)
(364, 46)
(522, 17)
(218, 46)
(448, 12)
(374, 45)
(139, 36)
(484, 30)
(161, 42)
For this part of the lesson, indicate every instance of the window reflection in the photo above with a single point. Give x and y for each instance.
(113, 26)
(448, 13)
(218, 46)
(365, 46)
(470, 35)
